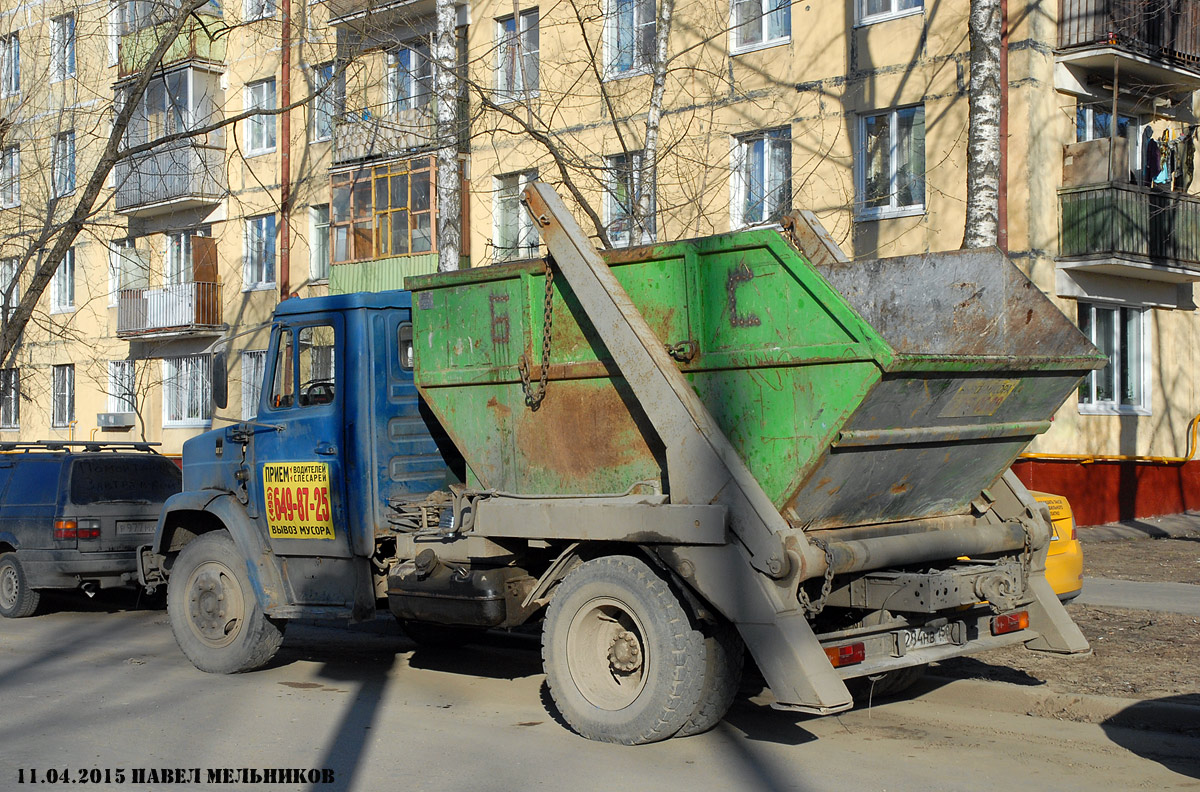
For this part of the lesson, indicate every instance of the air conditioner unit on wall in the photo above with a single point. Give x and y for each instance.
(115, 421)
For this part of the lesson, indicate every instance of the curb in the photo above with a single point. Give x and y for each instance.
(1150, 714)
(1169, 525)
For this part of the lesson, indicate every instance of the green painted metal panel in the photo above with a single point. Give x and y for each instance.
(380, 274)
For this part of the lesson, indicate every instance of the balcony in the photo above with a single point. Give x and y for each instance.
(1130, 231)
(1157, 43)
(198, 41)
(178, 309)
(354, 13)
(376, 132)
(170, 179)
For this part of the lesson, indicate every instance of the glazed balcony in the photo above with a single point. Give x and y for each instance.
(198, 41)
(177, 309)
(1130, 231)
(171, 179)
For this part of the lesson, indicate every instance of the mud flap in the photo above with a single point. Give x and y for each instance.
(1049, 619)
(767, 615)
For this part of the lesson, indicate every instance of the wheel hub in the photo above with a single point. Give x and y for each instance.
(8, 587)
(214, 604)
(625, 652)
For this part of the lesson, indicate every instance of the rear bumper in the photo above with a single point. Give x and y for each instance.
(69, 568)
(1064, 568)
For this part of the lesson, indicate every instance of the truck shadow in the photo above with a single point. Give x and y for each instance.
(105, 601)
(1164, 730)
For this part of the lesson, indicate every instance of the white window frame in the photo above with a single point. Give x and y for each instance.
(893, 12)
(410, 77)
(327, 102)
(627, 165)
(63, 169)
(10, 398)
(259, 252)
(62, 285)
(318, 248)
(861, 157)
(62, 47)
(177, 257)
(125, 267)
(258, 9)
(642, 17)
(507, 210)
(10, 65)
(62, 407)
(1139, 368)
(260, 129)
(122, 386)
(518, 56)
(8, 274)
(187, 385)
(254, 363)
(773, 182)
(10, 177)
(768, 12)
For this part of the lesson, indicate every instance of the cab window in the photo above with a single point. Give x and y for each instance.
(316, 365)
(283, 388)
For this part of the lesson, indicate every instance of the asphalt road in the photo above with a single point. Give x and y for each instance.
(98, 692)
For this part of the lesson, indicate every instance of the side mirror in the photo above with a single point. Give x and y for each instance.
(220, 380)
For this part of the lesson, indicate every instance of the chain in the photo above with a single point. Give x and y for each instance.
(533, 398)
(812, 608)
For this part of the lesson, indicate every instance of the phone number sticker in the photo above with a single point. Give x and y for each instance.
(296, 496)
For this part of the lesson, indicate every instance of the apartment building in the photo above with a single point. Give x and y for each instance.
(857, 112)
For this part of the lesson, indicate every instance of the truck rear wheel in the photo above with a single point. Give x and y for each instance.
(214, 614)
(624, 661)
(17, 600)
(725, 656)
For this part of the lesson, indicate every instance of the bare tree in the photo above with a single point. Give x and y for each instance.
(983, 137)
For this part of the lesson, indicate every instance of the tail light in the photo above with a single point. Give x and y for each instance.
(1010, 622)
(70, 529)
(850, 654)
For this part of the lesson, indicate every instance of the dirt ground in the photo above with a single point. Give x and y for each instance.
(1135, 654)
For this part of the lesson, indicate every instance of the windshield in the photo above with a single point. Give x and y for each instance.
(124, 478)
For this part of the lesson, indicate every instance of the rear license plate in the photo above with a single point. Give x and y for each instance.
(125, 527)
(924, 637)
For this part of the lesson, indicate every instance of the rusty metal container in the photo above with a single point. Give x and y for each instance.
(855, 392)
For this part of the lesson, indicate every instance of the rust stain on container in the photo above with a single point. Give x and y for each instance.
(580, 429)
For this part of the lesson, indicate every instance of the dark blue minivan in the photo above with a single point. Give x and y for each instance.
(73, 514)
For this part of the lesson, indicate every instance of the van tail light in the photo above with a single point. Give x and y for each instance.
(850, 654)
(1010, 622)
(70, 529)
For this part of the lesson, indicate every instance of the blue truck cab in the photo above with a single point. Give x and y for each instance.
(279, 515)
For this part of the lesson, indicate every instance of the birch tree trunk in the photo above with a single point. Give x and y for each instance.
(983, 137)
(449, 195)
(647, 176)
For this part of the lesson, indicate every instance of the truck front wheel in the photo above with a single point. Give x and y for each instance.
(214, 614)
(624, 661)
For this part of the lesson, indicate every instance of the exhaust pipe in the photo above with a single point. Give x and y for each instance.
(89, 588)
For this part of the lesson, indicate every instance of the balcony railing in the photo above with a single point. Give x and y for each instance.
(178, 308)
(1127, 221)
(197, 41)
(170, 179)
(380, 132)
(1160, 29)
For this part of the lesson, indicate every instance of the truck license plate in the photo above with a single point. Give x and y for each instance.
(135, 527)
(924, 637)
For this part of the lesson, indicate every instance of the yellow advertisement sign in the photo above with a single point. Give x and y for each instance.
(297, 500)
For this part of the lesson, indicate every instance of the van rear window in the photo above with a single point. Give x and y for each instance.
(123, 478)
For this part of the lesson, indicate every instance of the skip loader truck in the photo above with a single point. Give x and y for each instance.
(664, 455)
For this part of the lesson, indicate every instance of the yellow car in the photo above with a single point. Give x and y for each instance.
(1064, 560)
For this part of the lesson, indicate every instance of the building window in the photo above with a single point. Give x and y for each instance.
(253, 368)
(10, 65)
(126, 268)
(8, 281)
(62, 47)
(10, 176)
(762, 170)
(515, 237)
(517, 45)
(64, 164)
(329, 99)
(624, 190)
(410, 77)
(186, 388)
(1119, 333)
(761, 23)
(259, 269)
(629, 37)
(892, 162)
(318, 249)
(122, 388)
(10, 398)
(177, 266)
(62, 412)
(383, 211)
(878, 10)
(1094, 122)
(62, 286)
(258, 9)
(260, 129)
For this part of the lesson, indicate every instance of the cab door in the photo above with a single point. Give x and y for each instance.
(297, 480)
